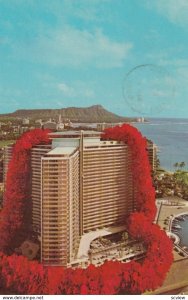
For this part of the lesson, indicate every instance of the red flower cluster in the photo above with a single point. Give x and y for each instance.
(110, 278)
(142, 182)
(16, 214)
(18, 275)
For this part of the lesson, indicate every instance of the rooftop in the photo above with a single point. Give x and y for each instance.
(75, 133)
(62, 151)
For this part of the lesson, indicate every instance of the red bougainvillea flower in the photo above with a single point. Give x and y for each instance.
(113, 277)
(16, 214)
(145, 192)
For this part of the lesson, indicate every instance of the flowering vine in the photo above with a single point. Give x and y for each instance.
(16, 214)
(142, 182)
(112, 277)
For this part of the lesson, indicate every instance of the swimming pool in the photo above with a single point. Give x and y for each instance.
(180, 228)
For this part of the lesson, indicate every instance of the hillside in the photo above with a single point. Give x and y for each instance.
(92, 114)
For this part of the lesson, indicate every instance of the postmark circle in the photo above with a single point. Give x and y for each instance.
(149, 89)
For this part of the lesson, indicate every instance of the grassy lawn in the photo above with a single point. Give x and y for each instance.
(5, 143)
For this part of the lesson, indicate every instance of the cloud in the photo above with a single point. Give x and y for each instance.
(161, 93)
(175, 11)
(77, 89)
(67, 90)
(174, 62)
(64, 11)
(66, 33)
(72, 89)
(83, 10)
(177, 79)
(72, 47)
(182, 79)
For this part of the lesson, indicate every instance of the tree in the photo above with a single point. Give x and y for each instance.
(176, 165)
(182, 164)
(125, 236)
(16, 213)
(158, 164)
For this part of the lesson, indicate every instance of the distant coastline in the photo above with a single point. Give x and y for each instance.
(171, 136)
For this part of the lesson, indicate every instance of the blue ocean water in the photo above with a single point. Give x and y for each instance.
(171, 136)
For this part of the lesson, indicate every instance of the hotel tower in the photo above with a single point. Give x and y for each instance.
(81, 189)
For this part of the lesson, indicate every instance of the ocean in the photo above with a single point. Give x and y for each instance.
(171, 136)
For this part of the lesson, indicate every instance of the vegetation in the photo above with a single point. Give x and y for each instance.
(4, 143)
(6, 119)
(172, 184)
(125, 236)
(179, 165)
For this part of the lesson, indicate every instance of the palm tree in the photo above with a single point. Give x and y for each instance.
(157, 163)
(176, 165)
(124, 236)
(182, 165)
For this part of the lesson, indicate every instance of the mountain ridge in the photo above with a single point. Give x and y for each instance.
(91, 114)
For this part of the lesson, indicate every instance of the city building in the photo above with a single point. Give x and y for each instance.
(152, 154)
(50, 125)
(103, 126)
(60, 124)
(36, 153)
(25, 121)
(85, 191)
(140, 120)
(6, 159)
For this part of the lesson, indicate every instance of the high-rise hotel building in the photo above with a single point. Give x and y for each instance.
(81, 189)
(152, 155)
(80, 186)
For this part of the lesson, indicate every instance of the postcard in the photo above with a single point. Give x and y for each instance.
(93, 148)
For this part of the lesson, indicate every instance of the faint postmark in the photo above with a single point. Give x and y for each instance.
(149, 89)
